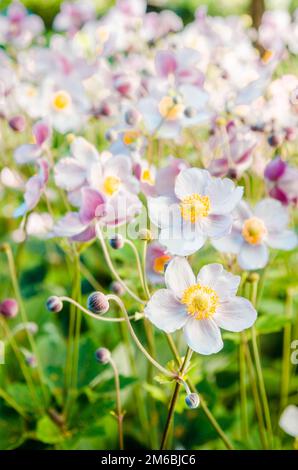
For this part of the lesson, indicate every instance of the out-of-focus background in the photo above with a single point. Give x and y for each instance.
(47, 9)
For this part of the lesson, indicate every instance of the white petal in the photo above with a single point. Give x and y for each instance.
(69, 174)
(285, 240)
(253, 256)
(217, 226)
(229, 244)
(83, 151)
(235, 314)
(165, 311)
(224, 196)
(289, 420)
(179, 276)
(203, 336)
(160, 210)
(179, 244)
(273, 213)
(223, 282)
(191, 181)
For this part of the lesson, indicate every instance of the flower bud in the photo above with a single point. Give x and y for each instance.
(17, 123)
(192, 400)
(274, 140)
(117, 242)
(31, 360)
(117, 288)
(103, 355)
(145, 235)
(9, 308)
(111, 136)
(275, 169)
(54, 304)
(98, 303)
(190, 112)
(131, 117)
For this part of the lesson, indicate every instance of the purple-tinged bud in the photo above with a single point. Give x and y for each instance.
(111, 136)
(117, 242)
(275, 169)
(190, 112)
(117, 288)
(54, 304)
(31, 360)
(291, 134)
(279, 195)
(192, 400)
(274, 140)
(98, 303)
(103, 355)
(17, 123)
(131, 117)
(9, 308)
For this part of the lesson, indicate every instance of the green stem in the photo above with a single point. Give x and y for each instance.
(119, 413)
(286, 359)
(147, 291)
(243, 391)
(174, 399)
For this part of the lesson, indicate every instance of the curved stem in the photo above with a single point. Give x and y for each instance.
(243, 392)
(147, 291)
(139, 265)
(111, 266)
(174, 399)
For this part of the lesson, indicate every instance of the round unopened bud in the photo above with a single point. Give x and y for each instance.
(274, 140)
(111, 136)
(190, 112)
(54, 304)
(17, 123)
(145, 235)
(103, 355)
(70, 138)
(31, 360)
(9, 308)
(117, 288)
(117, 242)
(98, 303)
(192, 400)
(253, 277)
(131, 117)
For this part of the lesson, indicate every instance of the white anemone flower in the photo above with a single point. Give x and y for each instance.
(200, 305)
(254, 230)
(200, 209)
(289, 421)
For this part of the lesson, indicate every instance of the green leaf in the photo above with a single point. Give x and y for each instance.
(12, 429)
(271, 323)
(22, 396)
(47, 431)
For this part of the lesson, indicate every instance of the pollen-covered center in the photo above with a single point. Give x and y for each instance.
(61, 100)
(169, 108)
(160, 262)
(111, 185)
(194, 207)
(201, 301)
(254, 230)
(147, 177)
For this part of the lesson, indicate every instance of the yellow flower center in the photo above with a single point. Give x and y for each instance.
(130, 137)
(254, 230)
(194, 207)
(160, 262)
(111, 185)
(267, 56)
(61, 100)
(169, 109)
(201, 302)
(147, 177)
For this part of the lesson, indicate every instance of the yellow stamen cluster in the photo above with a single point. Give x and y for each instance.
(130, 137)
(61, 100)
(194, 207)
(147, 177)
(169, 109)
(159, 263)
(254, 230)
(201, 301)
(111, 185)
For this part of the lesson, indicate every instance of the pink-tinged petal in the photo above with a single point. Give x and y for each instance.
(253, 256)
(285, 240)
(83, 151)
(230, 244)
(165, 311)
(203, 336)
(275, 169)
(235, 314)
(289, 420)
(165, 63)
(92, 203)
(85, 236)
(165, 177)
(162, 211)
(69, 174)
(120, 209)
(217, 226)
(224, 196)
(41, 132)
(215, 276)
(179, 276)
(191, 181)
(241, 213)
(27, 153)
(68, 226)
(273, 213)
(33, 192)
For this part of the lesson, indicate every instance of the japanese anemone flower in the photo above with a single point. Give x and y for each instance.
(201, 208)
(254, 230)
(289, 421)
(201, 306)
